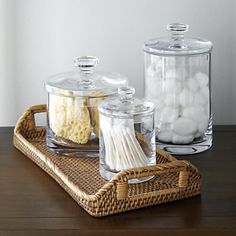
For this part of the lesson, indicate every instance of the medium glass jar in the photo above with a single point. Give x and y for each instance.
(127, 134)
(72, 115)
(178, 82)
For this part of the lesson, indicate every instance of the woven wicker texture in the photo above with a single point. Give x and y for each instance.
(173, 180)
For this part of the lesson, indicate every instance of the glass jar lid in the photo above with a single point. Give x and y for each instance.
(85, 81)
(126, 106)
(177, 44)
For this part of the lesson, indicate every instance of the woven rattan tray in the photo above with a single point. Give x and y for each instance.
(79, 177)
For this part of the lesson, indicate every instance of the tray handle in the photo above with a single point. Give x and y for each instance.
(122, 178)
(26, 124)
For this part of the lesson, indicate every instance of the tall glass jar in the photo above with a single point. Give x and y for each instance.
(73, 98)
(178, 82)
(127, 134)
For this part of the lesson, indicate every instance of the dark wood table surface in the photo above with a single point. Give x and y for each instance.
(31, 203)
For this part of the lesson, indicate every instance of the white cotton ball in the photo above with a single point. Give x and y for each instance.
(197, 135)
(207, 110)
(203, 125)
(177, 74)
(179, 87)
(153, 83)
(192, 84)
(178, 139)
(165, 136)
(168, 115)
(170, 100)
(205, 93)
(186, 98)
(170, 74)
(195, 113)
(199, 100)
(169, 85)
(185, 127)
(164, 126)
(202, 79)
(158, 85)
(181, 73)
(172, 86)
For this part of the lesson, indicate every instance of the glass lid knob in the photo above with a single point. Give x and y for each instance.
(86, 63)
(126, 93)
(177, 31)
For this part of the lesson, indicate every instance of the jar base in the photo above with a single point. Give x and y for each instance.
(91, 151)
(108, 175)
(186, 149)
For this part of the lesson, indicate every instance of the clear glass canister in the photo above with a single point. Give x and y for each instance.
(178, 82)
(73, 97)
(127, 134)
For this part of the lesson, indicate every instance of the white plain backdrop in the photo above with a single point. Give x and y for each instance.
(39, 38)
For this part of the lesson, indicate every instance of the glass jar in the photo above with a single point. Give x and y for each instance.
(72, 115)
(127, 134)
(178, 82)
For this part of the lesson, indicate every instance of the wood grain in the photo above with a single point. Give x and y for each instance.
(31, 203)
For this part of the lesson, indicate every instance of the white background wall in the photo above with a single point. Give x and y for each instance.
(41, 37)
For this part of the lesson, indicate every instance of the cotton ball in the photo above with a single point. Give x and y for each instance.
(186, 98)
(165, 126)
(185, 127)
(169, 85)
(172, 86)
(168, 115)
(181, 73)
(199, 100)
(165, 136)
(202, 79)
(178, 139)
(195, 113)
(192, 84)
(177, 74)
(203, 125)
(178, 87)
(170, 100)
(207, 110)
(198, 135)
(170, 74)
(153, 84)
(205, 93)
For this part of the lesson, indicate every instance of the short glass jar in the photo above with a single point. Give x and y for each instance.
(72, 115)
(178, 82)
(127, 134)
